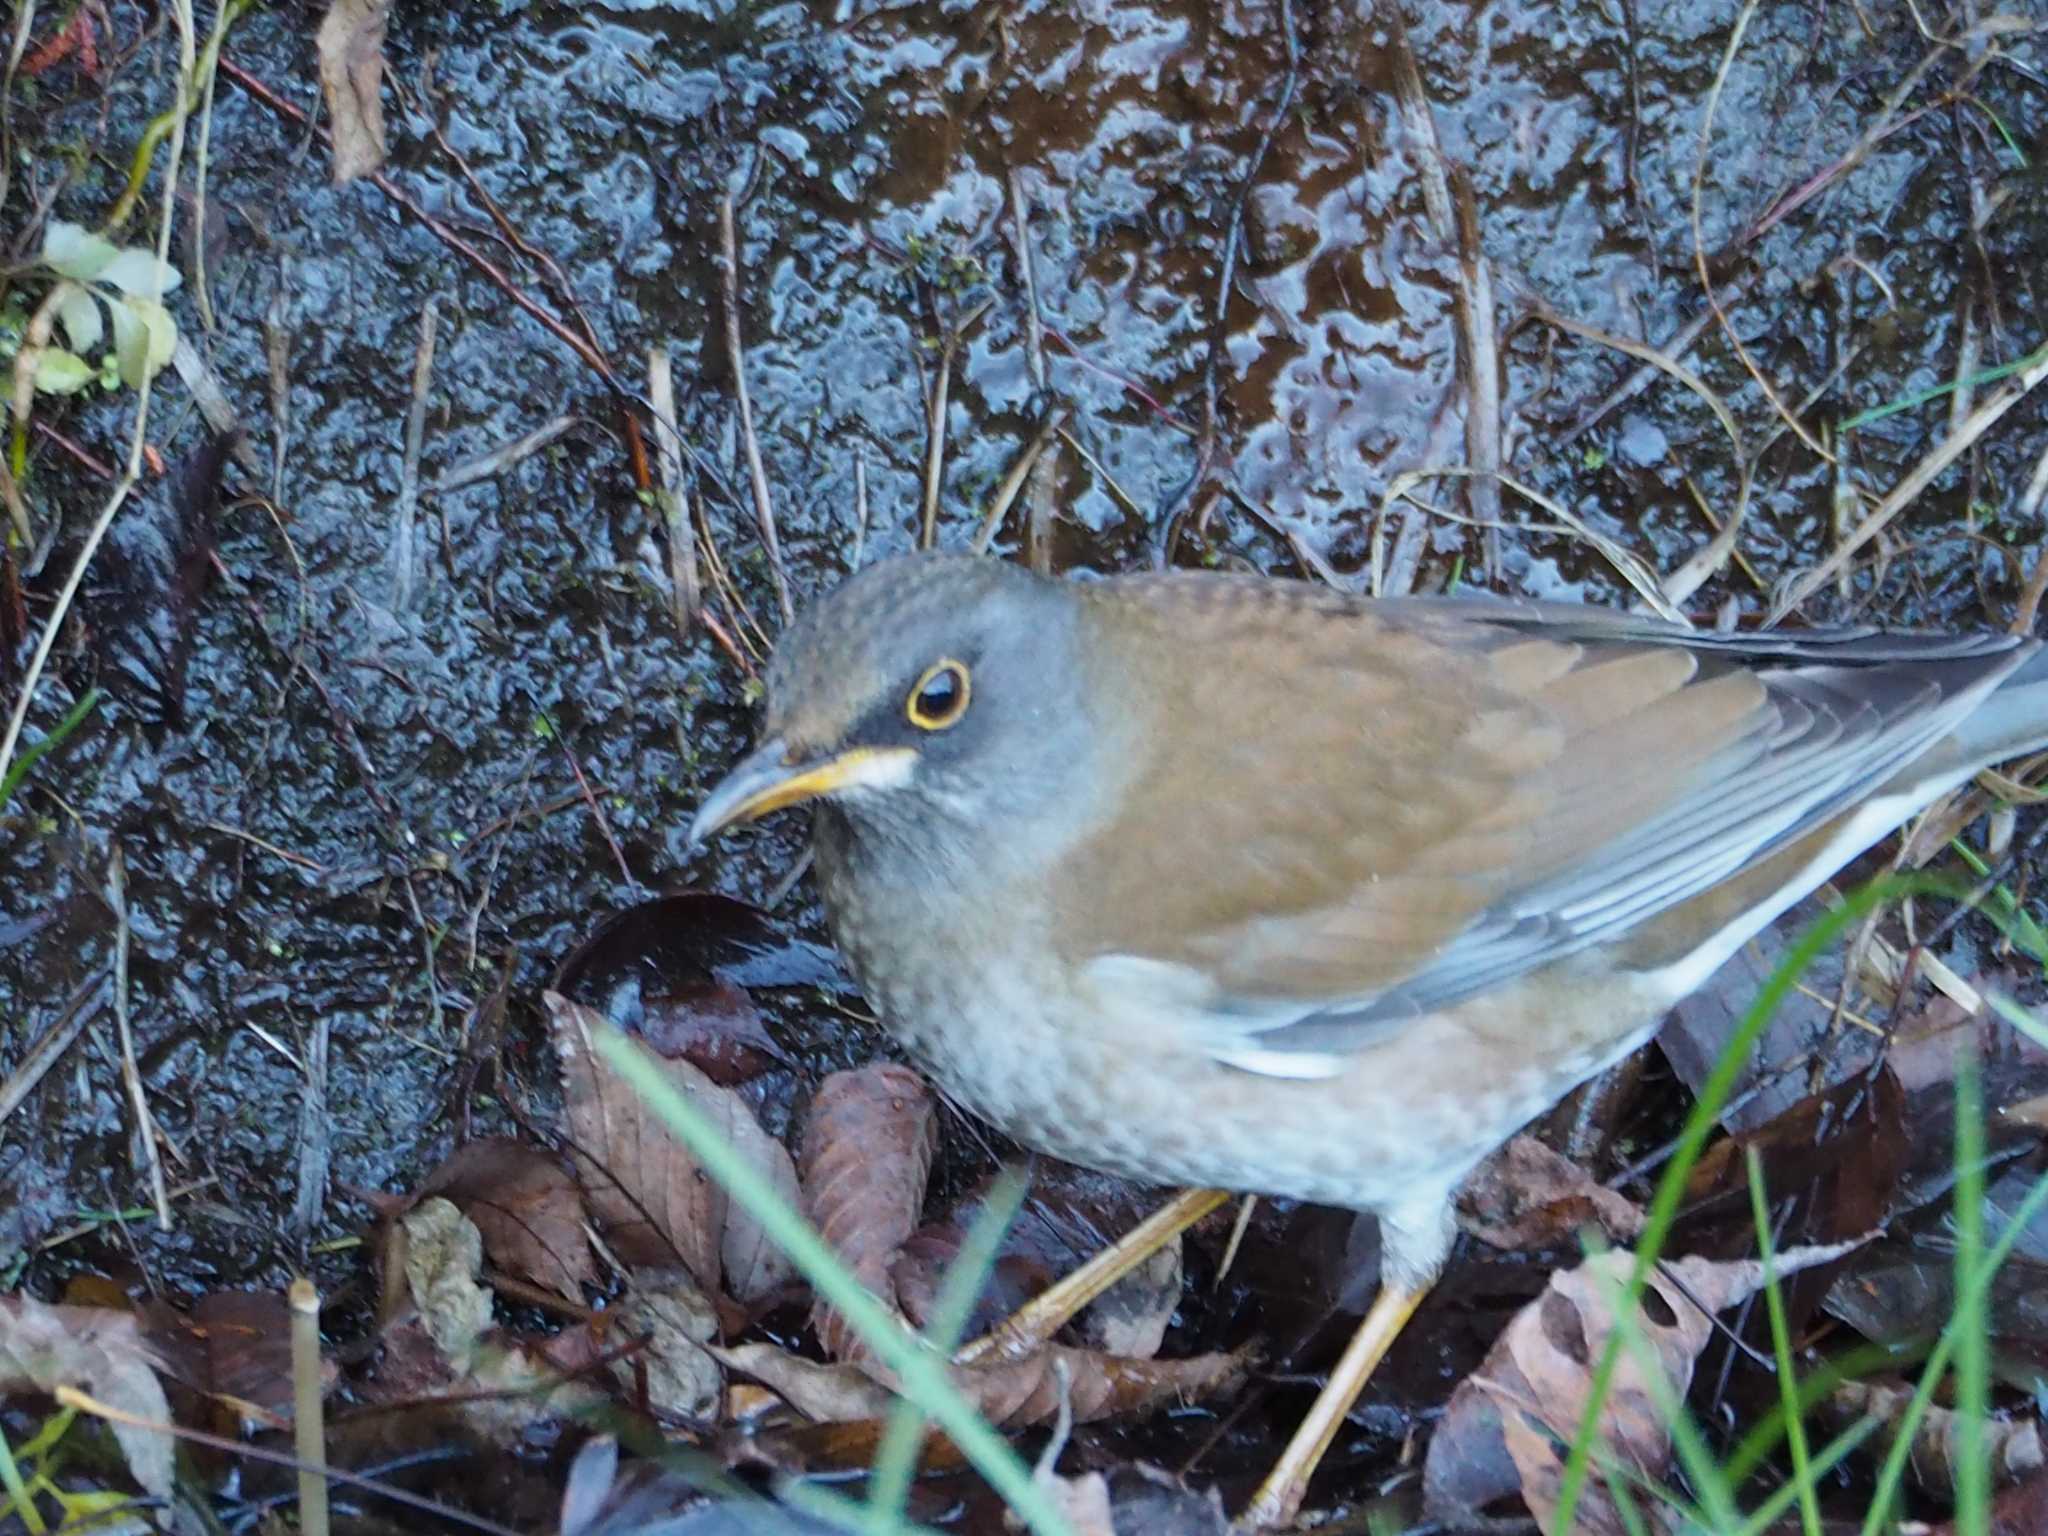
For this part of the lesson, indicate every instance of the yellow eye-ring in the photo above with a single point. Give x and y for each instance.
(940, 697)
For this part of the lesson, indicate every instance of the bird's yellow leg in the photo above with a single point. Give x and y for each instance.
(1049, 1311)
(1279, 1497)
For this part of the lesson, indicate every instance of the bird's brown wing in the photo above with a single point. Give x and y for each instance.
(1374, 810)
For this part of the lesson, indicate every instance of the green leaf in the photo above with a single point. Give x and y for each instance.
(135, 271)
(63, 373)
(144, 337)
(72, 250)
(79, 312)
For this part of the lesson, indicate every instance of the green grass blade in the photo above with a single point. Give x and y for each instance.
(1893, 1470)
(17, 1491)
(1713, 1096)
(1973, 1352)
(922, 1372)
(29, 756)
(896, 1459)
(1781, 1348)
(1767, 1513)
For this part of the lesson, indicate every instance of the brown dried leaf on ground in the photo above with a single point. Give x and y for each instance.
(443, 1253)
(715, 1027)
(1010, 1394)
(1528, 1196)
(234, 1349)
(867, 1151)
(350, 45)
(2019, 1511)
(100, 1352)
(527, 1207)
(666, 1308)
(1133, 1500)
(649, 1196)
(1529, 1396)
(1068, 1216)
(2013, 1447)
(446, 1344)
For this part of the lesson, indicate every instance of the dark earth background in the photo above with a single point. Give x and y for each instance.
(398, 893)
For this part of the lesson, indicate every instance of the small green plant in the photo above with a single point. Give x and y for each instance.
(127, 283)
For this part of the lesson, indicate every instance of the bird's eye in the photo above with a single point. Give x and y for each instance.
(940, 697)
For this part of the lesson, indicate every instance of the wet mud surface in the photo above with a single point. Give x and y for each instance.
(390, 786)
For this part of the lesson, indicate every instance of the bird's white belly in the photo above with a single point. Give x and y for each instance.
(1401, 1120)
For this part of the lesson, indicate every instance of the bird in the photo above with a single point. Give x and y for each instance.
(1249, 884)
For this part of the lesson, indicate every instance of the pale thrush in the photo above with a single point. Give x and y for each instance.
(1245, 883)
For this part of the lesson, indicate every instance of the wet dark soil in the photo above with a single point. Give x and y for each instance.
(371, 817)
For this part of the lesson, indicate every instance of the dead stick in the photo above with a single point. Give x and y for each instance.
(757, 476)
(131, 1075)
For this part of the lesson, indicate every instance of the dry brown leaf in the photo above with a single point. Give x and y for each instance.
(715, 1027)
(97, 1351)
(502, 1382)
(2019, 1511)
(646, 1191)
(1528, 1196)
(867, 1151)
(233, 1348)
(2012, 1446)
(443, 1253)
(350, 45)
(673, 1315)
(1010, 1394)
(527, 1207)
(1530, 1393)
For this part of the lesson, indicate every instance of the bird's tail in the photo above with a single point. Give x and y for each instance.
(2012, 720)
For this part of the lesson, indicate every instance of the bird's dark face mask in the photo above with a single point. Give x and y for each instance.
(914, 702)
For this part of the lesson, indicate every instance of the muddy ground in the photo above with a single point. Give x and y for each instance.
(411, 742)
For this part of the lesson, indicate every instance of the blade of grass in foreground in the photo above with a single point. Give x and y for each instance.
(1706, 1113)
(1781, 1348)
(896, 1460)
(31, 755)
(1945, 1347)
(1973, 1353)
(921, 1370)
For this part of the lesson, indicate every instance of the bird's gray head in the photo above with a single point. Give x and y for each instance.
(927, 686)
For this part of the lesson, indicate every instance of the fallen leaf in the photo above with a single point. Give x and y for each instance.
(234, 1349)
(2011, 1447)
(2019, 1511)
(350, 45)
(646, 1191)
(443, 1253)
(716, 1028)
(526, 1206)
(644, 953)
(667, 1309)
(99, 1352)
(499, 1383)
(1528, 1196)
(1010, 1394)
(867, 1151)
(1531, 1391)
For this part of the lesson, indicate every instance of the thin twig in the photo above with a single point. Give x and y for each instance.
(999, 505)
(1454, 221)
(935, 448)
(757, 475)
(403, 565)
(935, 426)
(860, 502)
(685, 583)
(131, 1075)
(1902, 495)
(1027, 267)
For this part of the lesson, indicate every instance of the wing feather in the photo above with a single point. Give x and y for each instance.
(1400, 804)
